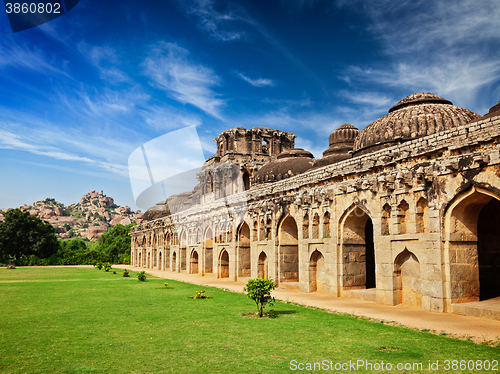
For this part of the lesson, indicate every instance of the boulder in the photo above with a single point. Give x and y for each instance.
(116, 220)
(126, 221)
(95, 232)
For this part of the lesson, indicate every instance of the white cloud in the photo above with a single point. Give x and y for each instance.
(9, 140)
(449, 48)
(374, 100)
(306, 102)
(167, 118)
(104, 102)
(105, 60)
(229, 26)
(19, 56)
(169, 69)
(217, 24)
(259, 82)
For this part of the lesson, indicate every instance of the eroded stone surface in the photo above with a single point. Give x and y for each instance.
(401, 220)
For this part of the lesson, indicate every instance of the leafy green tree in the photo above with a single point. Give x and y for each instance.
(69, 247)
(116, 242)
(22, 234)
(259, 290)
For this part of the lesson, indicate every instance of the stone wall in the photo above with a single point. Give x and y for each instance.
(397, 226)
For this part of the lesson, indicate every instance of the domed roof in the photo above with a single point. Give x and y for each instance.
(289, 163)
(419, 98)
(413, 117)
(344, 134)
(341, 142)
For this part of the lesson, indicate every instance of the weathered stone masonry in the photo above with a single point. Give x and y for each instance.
(414, 223)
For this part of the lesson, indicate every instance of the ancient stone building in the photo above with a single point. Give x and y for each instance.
(406, 211)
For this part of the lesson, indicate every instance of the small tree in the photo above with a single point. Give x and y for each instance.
(259, 290)
(142, 276)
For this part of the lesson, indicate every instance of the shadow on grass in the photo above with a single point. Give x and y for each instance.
(285, 311)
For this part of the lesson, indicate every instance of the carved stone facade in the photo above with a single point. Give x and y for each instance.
(412, 221)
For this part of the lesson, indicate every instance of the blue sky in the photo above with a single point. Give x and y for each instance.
(81, 93)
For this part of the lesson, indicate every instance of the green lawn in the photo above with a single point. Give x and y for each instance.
(84, 320)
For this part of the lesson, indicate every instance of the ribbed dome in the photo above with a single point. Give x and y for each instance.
(341, 142)
(413, 117)
(289, 163)
(342, 139)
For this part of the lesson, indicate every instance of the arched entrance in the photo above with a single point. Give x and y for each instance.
(262, 266)
(288, 251)
(194, 262)
(317, 273)
(182, 251)
(224, 264)
(246, 180)
(209, 251)
(244, 250)
(167, 251)
(174, 261)
(160, 263)
(358, 252)
(472, 229)
(408, 280)
(370, 255)
(488, 250)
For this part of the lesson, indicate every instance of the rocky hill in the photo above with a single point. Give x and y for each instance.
(90, 218)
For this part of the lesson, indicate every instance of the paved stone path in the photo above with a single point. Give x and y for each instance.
(478, 329)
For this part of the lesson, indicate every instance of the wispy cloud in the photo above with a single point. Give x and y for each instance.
(451, 49)
(24, 57)
(219, 25)
(169, 69)
(167, 118)
(106, 101)
(10, 140)
(375, 100)
(235, 23)
(105, 59)
(259, 82)
(305, 102)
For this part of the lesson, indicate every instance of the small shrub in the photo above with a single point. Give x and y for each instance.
(114, 272)
(126, 274)
(99, 265)
(142, 276)
(259, 290)
(166, 285)
(107, 266)
(200, 295)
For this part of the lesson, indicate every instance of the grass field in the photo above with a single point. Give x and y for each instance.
(84, 320)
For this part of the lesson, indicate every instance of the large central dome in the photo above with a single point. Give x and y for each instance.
(413, 117)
